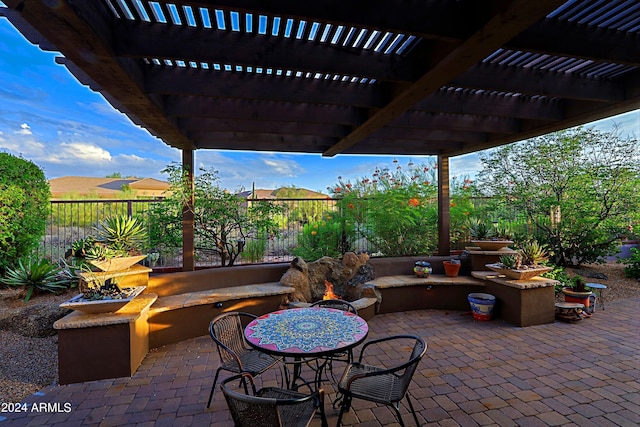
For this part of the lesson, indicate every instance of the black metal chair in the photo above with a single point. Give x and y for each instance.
(338, 304)
(236, 355)
(387, 385)
(271, 406)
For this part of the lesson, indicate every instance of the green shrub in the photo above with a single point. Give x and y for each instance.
(254, 249)
(632, 264)
(558, 273)
(321, 238)
(24, 206)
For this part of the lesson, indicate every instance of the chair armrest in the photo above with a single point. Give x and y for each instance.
(381, 340)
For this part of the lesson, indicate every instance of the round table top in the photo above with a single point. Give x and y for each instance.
(596, 285)
(311, 331)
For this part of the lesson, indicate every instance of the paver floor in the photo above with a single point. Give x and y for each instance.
(474, 374)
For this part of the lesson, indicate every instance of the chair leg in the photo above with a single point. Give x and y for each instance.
(397, 411)
(213, 387)
(413, 411)
(346, 404)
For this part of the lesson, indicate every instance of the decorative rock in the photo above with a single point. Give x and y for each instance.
(346, 275)
(297, 277)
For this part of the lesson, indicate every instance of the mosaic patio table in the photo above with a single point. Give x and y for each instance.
(306, 334)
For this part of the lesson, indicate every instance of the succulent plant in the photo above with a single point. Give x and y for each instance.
(480, 230)
(509, 261)
(533, 253)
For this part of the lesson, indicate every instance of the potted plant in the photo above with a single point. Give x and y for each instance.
(486, 237)
(117, 244)
(577, 292)
(103, 261)
(524, 264)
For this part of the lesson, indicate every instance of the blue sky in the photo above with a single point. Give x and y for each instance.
(49, 118)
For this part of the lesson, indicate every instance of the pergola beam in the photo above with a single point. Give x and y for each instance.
(500, 29)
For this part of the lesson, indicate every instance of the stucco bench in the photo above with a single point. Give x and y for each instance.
(175, 318)
(409, 292)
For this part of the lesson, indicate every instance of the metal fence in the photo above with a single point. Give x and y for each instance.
(73, 220)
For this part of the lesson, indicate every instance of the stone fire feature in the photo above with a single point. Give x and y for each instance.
(347, 275)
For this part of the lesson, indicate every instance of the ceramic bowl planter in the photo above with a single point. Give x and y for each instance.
(522, 274)
(422, 268)
(481, 305)
(108, 305)
(451, 268)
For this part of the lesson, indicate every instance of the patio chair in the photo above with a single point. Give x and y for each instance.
(270, 406)
(381, 384)
(235, 353)
(338, 304)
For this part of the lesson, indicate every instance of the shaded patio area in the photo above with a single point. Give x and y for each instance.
(474, 373)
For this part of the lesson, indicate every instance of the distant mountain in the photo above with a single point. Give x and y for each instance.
(104, 188)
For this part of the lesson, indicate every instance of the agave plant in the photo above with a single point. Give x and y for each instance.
(480, 230)
(37, 275)
(123, 234)
(510, 261)
(533, 253)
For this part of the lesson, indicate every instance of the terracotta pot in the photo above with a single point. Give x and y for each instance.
(451, 269)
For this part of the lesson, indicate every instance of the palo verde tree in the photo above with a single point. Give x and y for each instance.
(24, 206)
(223, 221)
(578, 187)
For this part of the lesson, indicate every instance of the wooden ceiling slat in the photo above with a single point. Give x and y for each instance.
(221, 108)
(199, 127)
(262, 142)
(163, 41)
(580, 41)
(520, 107)
(181, 81)
(538, 82)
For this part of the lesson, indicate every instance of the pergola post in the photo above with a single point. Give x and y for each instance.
(188, 246)
(444, 201)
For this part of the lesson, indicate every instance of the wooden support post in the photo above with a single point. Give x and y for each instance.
(444, 201)
(188, 244)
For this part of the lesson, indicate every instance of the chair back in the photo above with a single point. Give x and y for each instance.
(228, 333)
(419, 350)
(337, 304)
(250, 411)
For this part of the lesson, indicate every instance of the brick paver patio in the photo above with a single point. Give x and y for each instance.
(474, 374)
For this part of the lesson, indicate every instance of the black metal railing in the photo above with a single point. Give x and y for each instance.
(70, 220)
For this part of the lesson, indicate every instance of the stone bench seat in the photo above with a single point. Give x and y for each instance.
(403, 280)
(220, 295)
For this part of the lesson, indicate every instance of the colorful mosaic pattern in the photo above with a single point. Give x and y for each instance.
(311, 330)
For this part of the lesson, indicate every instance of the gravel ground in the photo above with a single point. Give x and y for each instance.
(28, 363)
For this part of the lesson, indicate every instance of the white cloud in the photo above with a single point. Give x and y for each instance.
(284, 167)
(24, 130)
(79, 151)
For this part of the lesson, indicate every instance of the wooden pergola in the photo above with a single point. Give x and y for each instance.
(405, 77)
